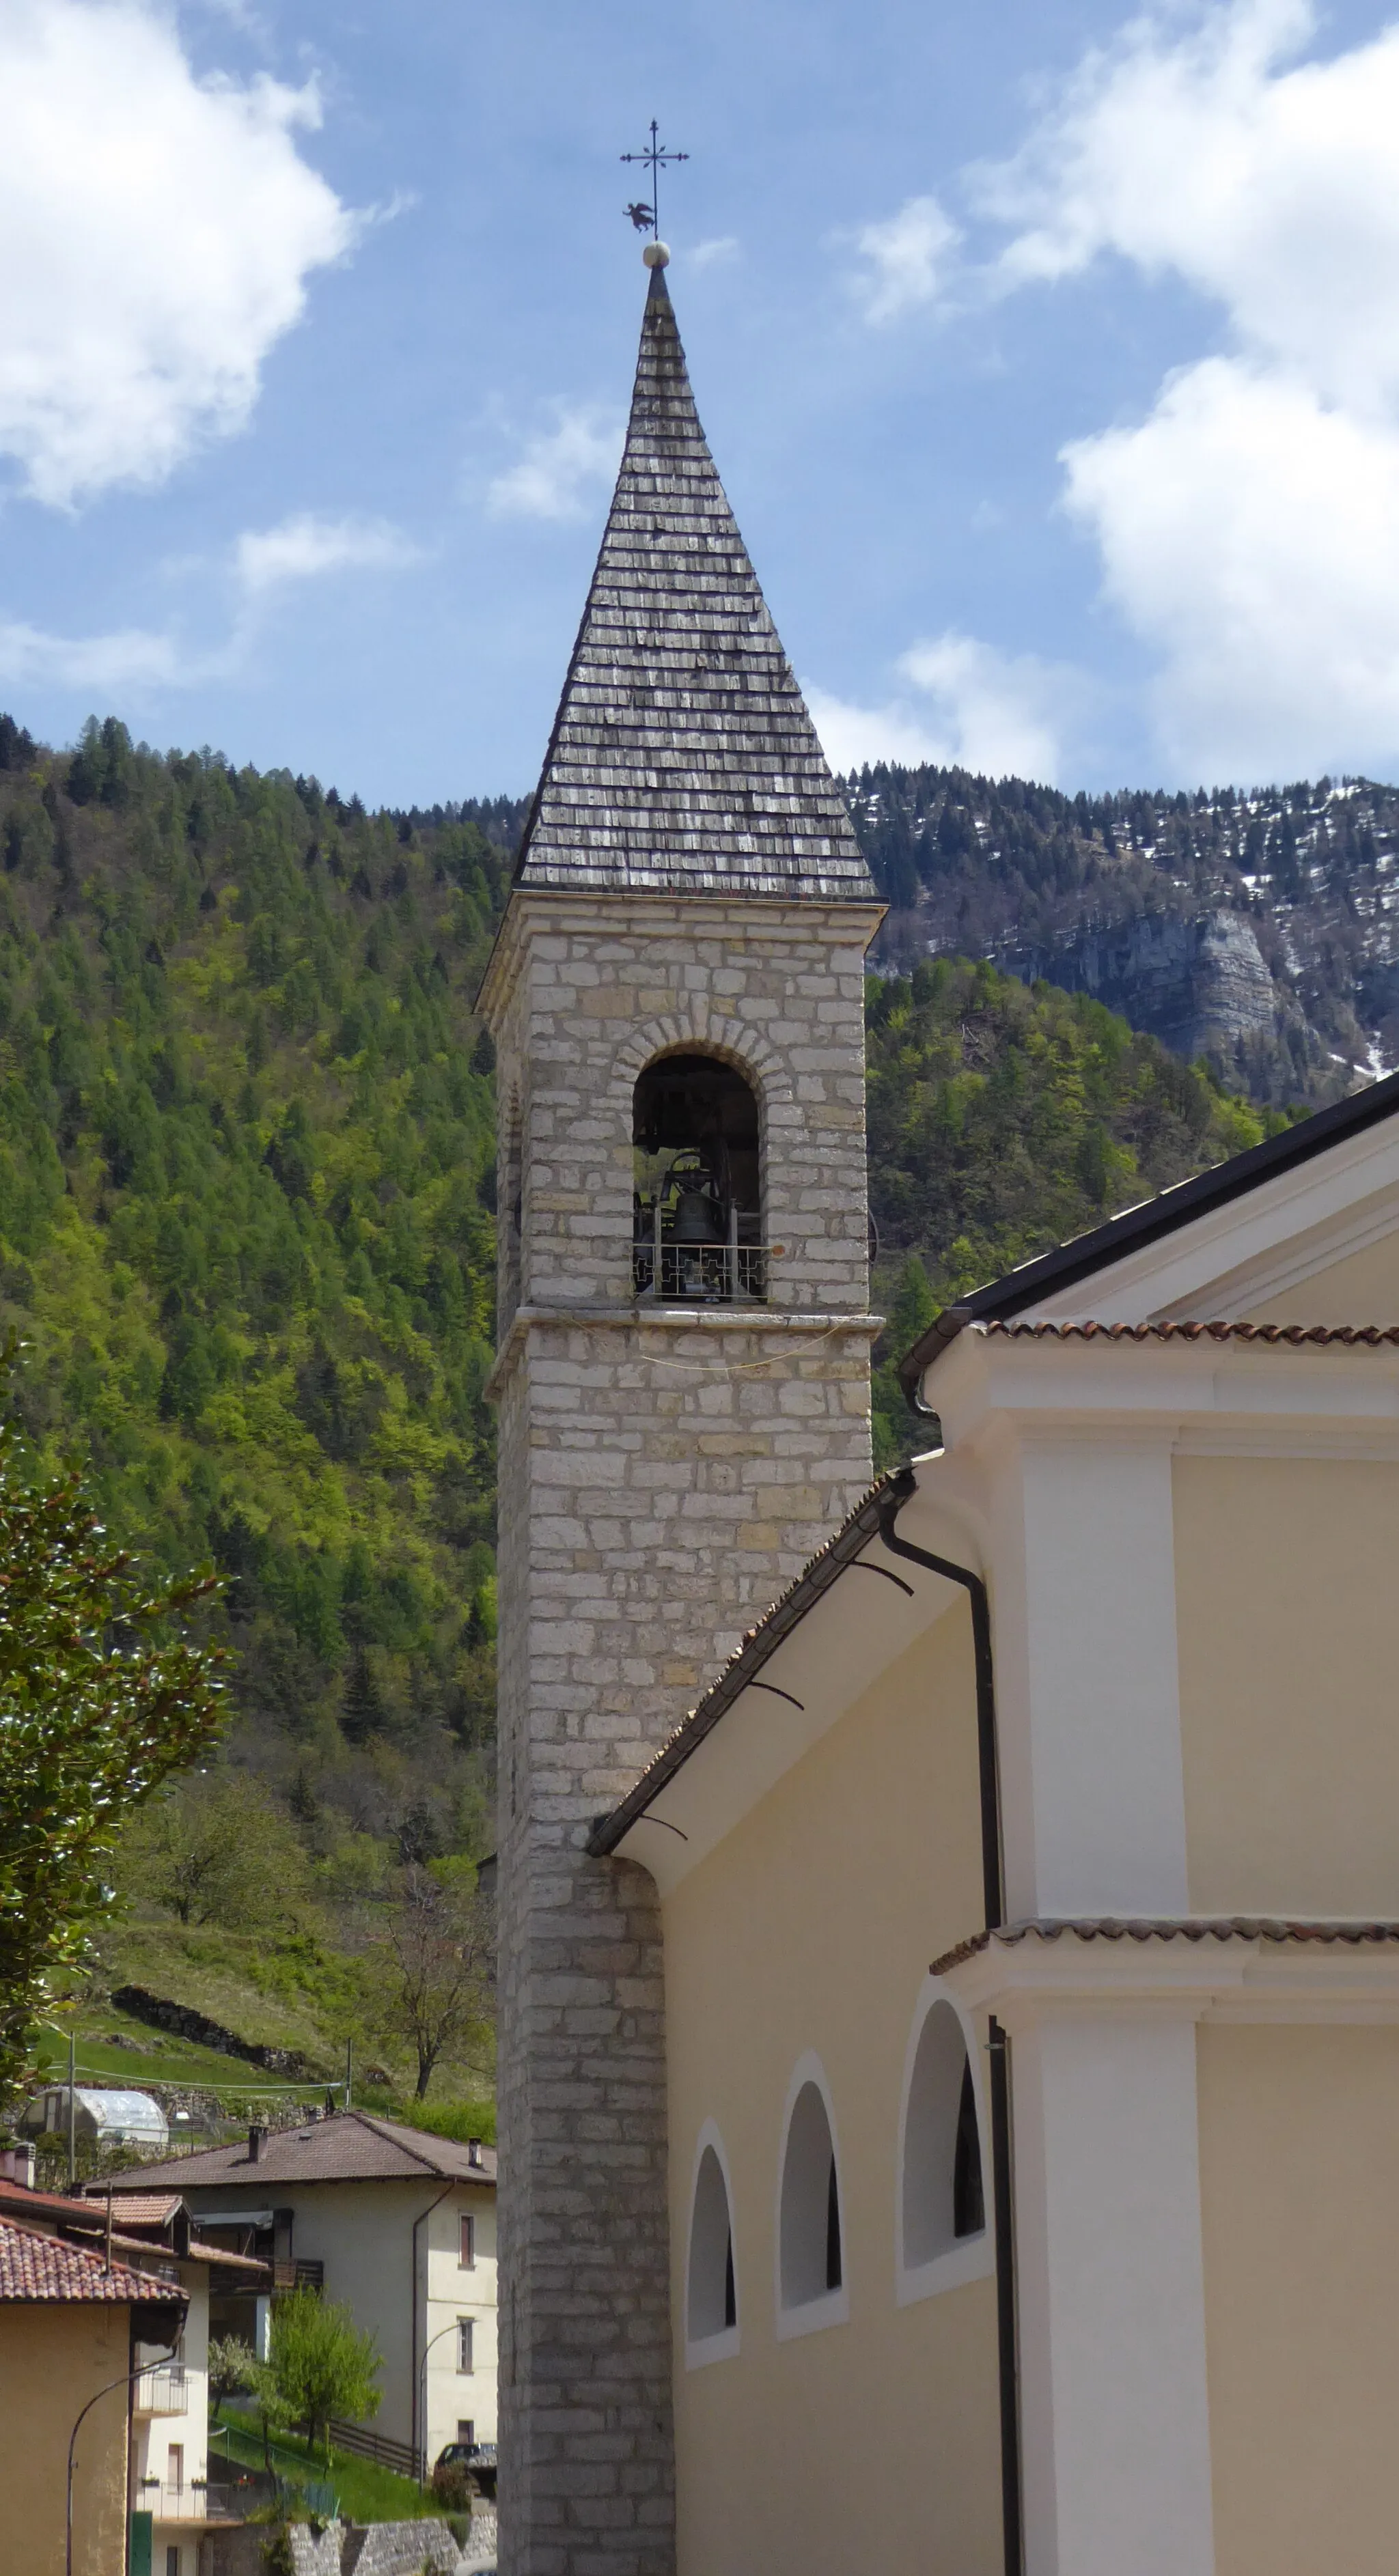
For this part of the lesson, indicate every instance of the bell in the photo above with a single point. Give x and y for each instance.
(697, 1218)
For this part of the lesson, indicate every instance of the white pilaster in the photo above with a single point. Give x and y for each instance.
(1087, 1685)
(1114, 2404)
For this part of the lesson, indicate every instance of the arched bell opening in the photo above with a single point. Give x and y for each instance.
(697, 1235)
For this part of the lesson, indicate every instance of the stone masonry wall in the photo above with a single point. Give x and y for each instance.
(663, 1476)
(583, 994)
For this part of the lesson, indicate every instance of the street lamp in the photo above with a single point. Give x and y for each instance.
(124, 2382)
(453, 2328)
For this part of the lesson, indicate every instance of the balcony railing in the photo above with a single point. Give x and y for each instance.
(700, 1274)
(162, 2391)
(173, 2504)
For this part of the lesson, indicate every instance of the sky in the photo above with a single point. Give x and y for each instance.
(1049, 352)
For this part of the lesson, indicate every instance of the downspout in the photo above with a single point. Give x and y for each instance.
(903, 1487)
(419, 2221)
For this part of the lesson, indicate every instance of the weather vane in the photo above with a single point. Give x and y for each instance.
(647, 219)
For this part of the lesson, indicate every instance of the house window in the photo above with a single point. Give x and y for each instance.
(466, 2256)
(172, 2559)
(466, 2336)
(942, 2191)
(811, 2250)
(697, 1233)
(175, 2466)
(466, 2430)
(711, 2304)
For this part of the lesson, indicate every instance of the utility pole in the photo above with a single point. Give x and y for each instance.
(72, 2108)
(349, 2070)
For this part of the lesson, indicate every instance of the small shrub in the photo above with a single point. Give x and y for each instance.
(453, 2486)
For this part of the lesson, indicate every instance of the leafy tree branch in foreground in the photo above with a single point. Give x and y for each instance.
(100, 1701)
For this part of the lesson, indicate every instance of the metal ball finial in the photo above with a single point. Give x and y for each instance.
(656, 255)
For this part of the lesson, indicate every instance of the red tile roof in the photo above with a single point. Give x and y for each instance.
(139, 2208)
(34, 2267)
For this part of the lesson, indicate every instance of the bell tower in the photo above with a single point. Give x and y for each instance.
(676, 997)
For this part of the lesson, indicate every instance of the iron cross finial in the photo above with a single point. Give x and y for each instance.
(647, 218)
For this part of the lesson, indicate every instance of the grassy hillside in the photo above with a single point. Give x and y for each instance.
(246, 1232)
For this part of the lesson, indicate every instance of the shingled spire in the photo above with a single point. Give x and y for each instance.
(683, 759)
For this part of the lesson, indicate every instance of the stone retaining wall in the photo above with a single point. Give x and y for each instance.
(341, 2549)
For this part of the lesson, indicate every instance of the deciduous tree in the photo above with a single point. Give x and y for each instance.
(435, 1954)
(319, 2365)
(101, 1699)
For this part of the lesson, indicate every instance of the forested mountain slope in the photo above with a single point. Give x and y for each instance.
(246, 1181)
(246, 1234)
(1260, 930)
(1004, 1120)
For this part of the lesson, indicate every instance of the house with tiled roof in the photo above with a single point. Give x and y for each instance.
(949, 1928)
(392, 2222)
(74, 2322)
(170, 2502)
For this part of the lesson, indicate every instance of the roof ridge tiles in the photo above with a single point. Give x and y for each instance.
(1051, 1328)
(682, 756)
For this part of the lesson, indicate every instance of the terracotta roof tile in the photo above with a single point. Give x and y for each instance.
(1028, 1328)
(139, 2208)
(34, 2267)
(683, 758)
(1221, 1927)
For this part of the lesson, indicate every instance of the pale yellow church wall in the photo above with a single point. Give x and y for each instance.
(1301, 2245)
(52, 2360)
(1288, 1632)
(873, 2443)
(1361, 1289)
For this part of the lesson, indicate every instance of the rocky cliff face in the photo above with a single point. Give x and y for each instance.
(1199, 986)
(1260, 930)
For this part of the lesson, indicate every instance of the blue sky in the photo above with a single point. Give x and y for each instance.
(1050, 354)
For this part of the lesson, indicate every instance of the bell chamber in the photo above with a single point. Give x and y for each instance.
(697, 1232)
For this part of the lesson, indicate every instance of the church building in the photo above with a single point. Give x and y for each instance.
(950, 1928)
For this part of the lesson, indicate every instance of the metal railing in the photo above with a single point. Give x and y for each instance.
(162, 2391)
(379, 2447)
(700, 1274)
(170, 2503)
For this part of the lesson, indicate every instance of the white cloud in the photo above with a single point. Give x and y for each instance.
(1005, 715)
(1273, 191)
(159, 231)
(144, 661)
(131, 657)
(907, 258)
(1249, 526)
(305, 547)
(1251, 532)
(712, 254)
(557, 467)
(852, 736)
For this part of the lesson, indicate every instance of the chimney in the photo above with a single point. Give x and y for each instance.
(17, 2165)
(256, 2135)
(473, 2151)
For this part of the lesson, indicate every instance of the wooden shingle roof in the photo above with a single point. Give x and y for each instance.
(683, 759)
